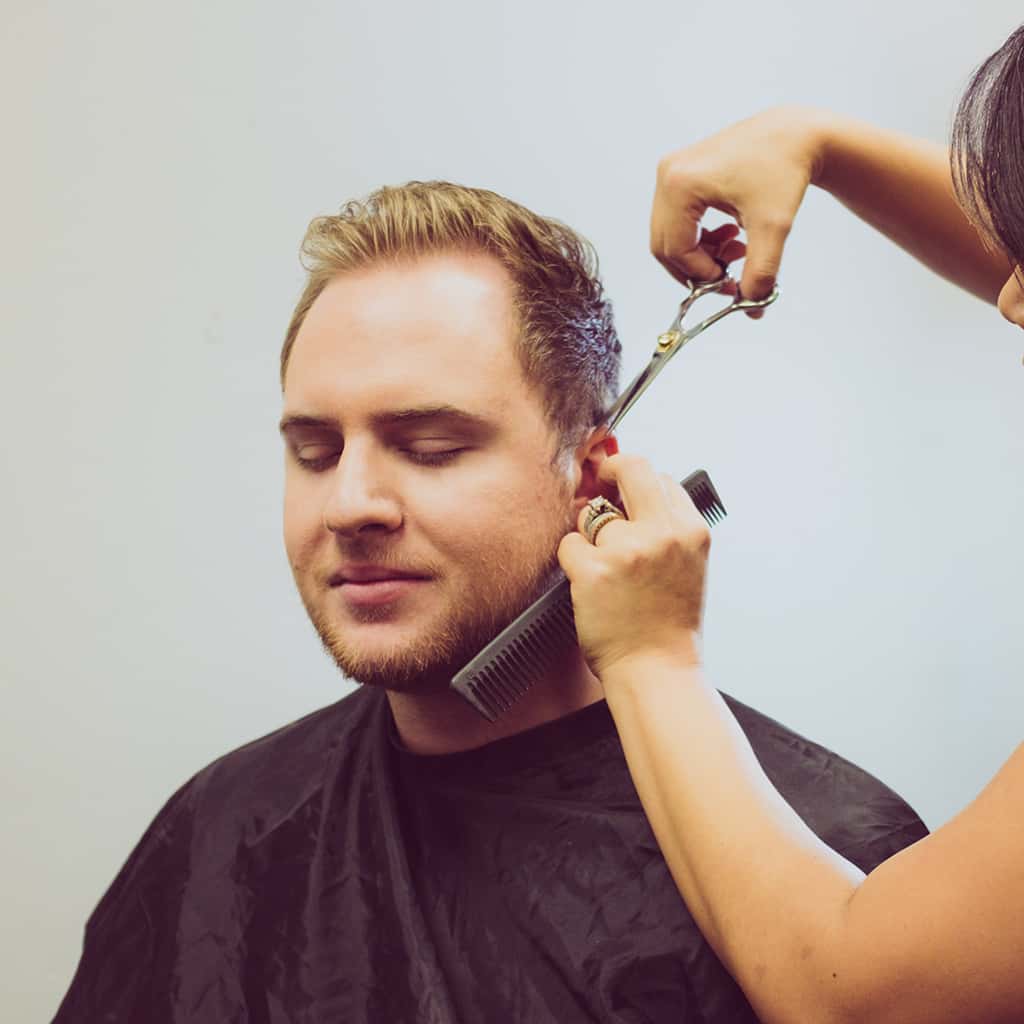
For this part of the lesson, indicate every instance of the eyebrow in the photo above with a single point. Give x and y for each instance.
(450, 414)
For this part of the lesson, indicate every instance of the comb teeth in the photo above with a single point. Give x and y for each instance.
(506, 668)
(702, 491)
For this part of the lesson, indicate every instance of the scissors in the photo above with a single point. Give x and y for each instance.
(677, 336)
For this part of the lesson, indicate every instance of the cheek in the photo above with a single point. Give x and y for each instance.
(471, 525)
(522, 517)
(456, 529)
(302, 526)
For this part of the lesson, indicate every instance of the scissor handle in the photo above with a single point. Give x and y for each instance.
(742, 303)
(698, 289)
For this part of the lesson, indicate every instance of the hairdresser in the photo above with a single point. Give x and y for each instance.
(936, 933)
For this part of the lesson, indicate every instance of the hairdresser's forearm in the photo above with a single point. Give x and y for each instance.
(733, 844)
(903, 187)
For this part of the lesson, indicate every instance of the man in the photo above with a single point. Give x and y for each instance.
(394, 857)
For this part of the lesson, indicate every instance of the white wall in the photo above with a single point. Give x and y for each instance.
(161, 162)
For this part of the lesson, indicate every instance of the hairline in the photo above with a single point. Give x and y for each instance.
(564, 444)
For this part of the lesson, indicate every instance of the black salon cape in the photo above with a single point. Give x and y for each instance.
(322, 874)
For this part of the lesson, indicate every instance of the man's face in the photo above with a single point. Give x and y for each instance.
(422, 511)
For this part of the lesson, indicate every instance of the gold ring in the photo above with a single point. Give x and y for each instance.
(594, 527)
(600, 512)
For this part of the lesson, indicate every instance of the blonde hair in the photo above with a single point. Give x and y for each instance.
(567, 344)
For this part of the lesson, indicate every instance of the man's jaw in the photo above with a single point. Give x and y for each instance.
(404, 626)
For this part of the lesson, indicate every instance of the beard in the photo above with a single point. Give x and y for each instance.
(503, 583)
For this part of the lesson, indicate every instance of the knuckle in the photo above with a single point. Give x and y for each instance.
(600, 573)
(628, 554)
(700, 537)
(763, 274)
(661, 254)
(666, 168)
(775, 225)
(681, 254)
(683, 542)
(675, 173)
(671, 545)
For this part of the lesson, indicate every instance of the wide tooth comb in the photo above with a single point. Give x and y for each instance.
(506, 668)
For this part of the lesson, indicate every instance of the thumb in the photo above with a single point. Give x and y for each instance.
(765, 240)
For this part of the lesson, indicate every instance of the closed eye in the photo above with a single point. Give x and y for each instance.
(432, 458)
(316, 457)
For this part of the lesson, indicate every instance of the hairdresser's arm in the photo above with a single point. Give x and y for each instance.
(759, 169)
(933, 935)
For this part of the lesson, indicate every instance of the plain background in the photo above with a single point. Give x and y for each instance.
(161, 163)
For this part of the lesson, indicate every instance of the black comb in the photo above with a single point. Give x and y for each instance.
(505, 669)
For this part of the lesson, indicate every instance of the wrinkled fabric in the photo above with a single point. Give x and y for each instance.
(324, 874)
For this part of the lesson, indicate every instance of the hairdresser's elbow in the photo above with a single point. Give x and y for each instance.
(815, 992)
(835, 999)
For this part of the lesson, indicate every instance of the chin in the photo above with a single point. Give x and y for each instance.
(402, 671)
(395, 657)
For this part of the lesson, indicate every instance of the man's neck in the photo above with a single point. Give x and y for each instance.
(444, 723)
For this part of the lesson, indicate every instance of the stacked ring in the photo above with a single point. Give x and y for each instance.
(600, 512)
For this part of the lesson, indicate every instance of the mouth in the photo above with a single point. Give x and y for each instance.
(366, 573)
(365, 586)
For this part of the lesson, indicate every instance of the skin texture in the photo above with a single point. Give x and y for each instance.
(934, 934)
(475, 508)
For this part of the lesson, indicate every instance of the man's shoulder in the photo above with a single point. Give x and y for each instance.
(209, 849)
(852, 810)
(248, 792)
(296, 754)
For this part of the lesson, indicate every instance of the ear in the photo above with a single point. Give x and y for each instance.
(597, 447)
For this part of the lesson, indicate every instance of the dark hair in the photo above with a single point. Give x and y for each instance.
(567, 343)
(987, 150)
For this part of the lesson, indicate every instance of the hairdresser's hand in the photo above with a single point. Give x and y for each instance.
(757, 172)
(639, 591)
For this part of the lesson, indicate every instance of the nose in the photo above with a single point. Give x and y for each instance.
(1011, 299)
(360, 499)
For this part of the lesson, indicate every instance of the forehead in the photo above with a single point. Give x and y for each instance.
(437, 329)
